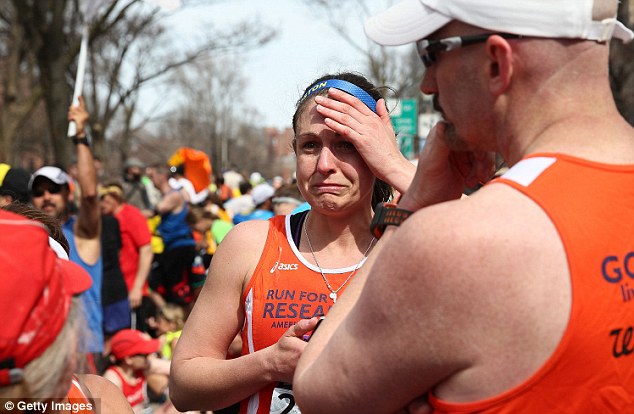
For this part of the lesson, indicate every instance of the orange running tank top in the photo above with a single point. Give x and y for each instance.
(592, 369)
(284, 288)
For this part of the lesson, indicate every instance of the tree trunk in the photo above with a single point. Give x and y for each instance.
(53, 62)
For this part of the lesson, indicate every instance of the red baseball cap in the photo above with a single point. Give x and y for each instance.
(36, 287)
(130, 342)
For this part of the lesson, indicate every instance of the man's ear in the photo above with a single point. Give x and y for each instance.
(500, 69)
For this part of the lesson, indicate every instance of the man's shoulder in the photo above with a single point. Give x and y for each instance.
(483, 231)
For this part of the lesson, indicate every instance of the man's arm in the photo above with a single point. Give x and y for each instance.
(396, 338)
(88, 225)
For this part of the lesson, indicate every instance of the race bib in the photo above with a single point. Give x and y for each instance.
(283, 401)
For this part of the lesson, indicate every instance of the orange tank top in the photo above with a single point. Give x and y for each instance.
(592, 369)
(79, 402)
(284, 288)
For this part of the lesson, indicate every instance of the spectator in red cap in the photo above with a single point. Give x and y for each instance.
(130, 350)
(38, 343)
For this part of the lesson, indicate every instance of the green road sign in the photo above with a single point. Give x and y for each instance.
(405, 122)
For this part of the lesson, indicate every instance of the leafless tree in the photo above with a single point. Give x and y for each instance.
(213, 116)
(397, 68)
(20, 91)
(121, 69)
(40, 42)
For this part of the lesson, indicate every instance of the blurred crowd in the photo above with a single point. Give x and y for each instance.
(157, 238)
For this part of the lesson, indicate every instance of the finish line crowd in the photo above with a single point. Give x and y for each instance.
(157, 237)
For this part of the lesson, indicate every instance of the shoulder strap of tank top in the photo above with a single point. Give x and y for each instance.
(297, 221)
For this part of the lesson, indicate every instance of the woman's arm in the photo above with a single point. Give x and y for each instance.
(201, 376)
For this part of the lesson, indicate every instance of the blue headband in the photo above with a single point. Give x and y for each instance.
(345, 86)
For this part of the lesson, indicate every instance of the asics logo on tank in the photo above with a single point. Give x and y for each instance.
(284, 266)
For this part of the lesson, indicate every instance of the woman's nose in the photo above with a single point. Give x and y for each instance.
(326, 161)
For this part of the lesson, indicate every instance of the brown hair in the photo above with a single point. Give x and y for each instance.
(173, 313)
(53, 224)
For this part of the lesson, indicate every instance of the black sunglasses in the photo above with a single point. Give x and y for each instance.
(52, 188)
(428, 49)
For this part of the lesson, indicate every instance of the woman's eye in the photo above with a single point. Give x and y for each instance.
(346, 147)
(309, 146)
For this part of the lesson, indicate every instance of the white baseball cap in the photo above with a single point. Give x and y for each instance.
(261, 193)
(412, 20)
(54, 174)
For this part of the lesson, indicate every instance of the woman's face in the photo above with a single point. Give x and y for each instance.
(330, 172)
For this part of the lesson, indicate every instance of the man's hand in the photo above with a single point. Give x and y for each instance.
(443, 174)
(79, 115)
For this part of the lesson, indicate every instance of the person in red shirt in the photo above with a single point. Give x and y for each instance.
(136, 255)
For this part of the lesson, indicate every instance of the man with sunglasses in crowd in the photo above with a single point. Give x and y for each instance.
(51, 193)
(518, 299)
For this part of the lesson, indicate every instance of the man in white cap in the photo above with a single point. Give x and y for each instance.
(520, 298)
(50, 192)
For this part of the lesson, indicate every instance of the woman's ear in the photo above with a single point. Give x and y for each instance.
(500, 64)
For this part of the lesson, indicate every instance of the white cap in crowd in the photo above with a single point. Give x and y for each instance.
(54, 174)
(261, 193)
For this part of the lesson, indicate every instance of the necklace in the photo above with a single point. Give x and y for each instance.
(333, 292)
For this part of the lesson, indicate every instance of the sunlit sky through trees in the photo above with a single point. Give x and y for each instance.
(305, 48)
